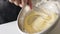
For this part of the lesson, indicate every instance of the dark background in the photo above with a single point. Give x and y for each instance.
(8, 11)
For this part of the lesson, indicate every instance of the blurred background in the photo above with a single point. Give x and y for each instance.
(8, 11)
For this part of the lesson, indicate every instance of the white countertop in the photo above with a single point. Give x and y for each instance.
(12, 28)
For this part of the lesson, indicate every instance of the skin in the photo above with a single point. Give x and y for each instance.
(20, 2)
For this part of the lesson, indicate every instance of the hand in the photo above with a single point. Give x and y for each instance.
(21, 2)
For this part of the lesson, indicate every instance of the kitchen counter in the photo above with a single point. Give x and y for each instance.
(12, 28)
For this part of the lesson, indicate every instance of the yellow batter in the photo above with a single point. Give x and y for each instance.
(38, 21)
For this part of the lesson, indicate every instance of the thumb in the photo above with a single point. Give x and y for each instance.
(22, 3)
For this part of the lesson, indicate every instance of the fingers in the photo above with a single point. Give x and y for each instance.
(17, 2)
(14, 1)
(11, 1)
(21, 2)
